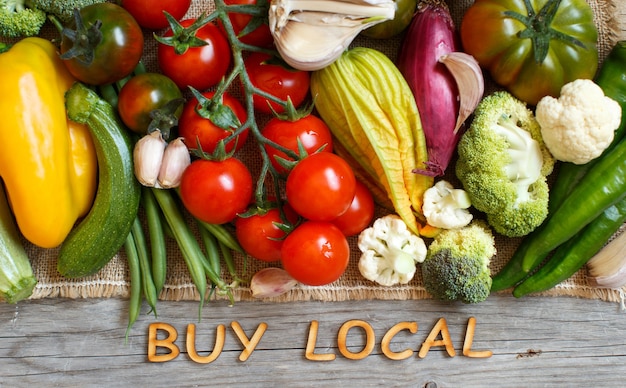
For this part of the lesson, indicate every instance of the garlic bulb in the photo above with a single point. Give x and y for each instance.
(311, 34)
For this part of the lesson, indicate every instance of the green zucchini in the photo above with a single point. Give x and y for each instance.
(100, 235)
(17, 280)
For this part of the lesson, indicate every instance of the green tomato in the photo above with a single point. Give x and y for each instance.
(405, 9)
(532, 47)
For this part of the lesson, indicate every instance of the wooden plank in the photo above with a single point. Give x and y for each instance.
(535, 341)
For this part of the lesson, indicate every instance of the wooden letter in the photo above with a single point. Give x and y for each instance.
(469, 339)
(410, 326)
(167, 342)
(440, 327)
(369, 339)
(248, 344)
(309, 353)
(220, 335)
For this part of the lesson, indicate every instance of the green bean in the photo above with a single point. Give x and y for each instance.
(158, 248)
(187, 243)
(228, 259)
(135, 282)
(212, 263)
(144, 265)
(223, 235)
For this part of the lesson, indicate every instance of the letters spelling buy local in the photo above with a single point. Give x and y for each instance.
(438, 336)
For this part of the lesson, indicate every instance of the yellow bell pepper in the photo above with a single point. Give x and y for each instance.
(48, 163)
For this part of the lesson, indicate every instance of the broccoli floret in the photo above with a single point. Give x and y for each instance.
(19, 19)
(503, 165)
(63, 10)
(457, 263)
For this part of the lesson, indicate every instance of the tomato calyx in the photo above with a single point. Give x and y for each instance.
(183, 38)
(165, 118)
(539, 30)
(84, 38)
(292, 113)
(215, 110)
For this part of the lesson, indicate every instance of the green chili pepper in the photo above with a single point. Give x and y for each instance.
(576, 252)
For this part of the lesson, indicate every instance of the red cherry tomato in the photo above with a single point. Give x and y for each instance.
(310, 130)
(200, 67)
(359, 214)
(259, 37)
(119, 50)
(315, 253)
(149, 13)
(321, 187)
(272, 76)
(260, 235)
(141, 95)
(216, 191)
(193, 127)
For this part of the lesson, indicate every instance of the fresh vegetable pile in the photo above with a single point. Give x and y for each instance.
(409, 166)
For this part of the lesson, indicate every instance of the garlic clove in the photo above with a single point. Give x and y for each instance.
(311, 34)
(270, 282)
(175, 160)
(147, 157)
(470, 81)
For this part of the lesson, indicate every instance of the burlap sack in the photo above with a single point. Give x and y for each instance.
(112, 281)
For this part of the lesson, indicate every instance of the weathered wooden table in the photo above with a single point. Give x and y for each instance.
(535, 342)
(562, 342)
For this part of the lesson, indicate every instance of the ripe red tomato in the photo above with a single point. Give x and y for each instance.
(143, 94)
(274, 77)
(260, 235)
(260, 36)
(359, 214)
(118, 52)
(311, 131)
(321, 187)
(149, 13)
(199, 67)
(315, 253)
(193, 127)
(216, 191)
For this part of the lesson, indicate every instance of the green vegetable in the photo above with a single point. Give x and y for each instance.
(98, 237)
(503, 164)
(457, 263)
(158, 247)
(18, 20)
(17, 280)
(572, 255)
(134, 270)
(21, 18)
(64, 10)
(603, 186)
(143, 254)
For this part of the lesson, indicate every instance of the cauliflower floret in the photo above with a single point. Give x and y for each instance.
(390, 251)
(446, 207)
(579, 125)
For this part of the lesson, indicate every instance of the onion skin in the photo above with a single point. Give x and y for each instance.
(430, 36)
